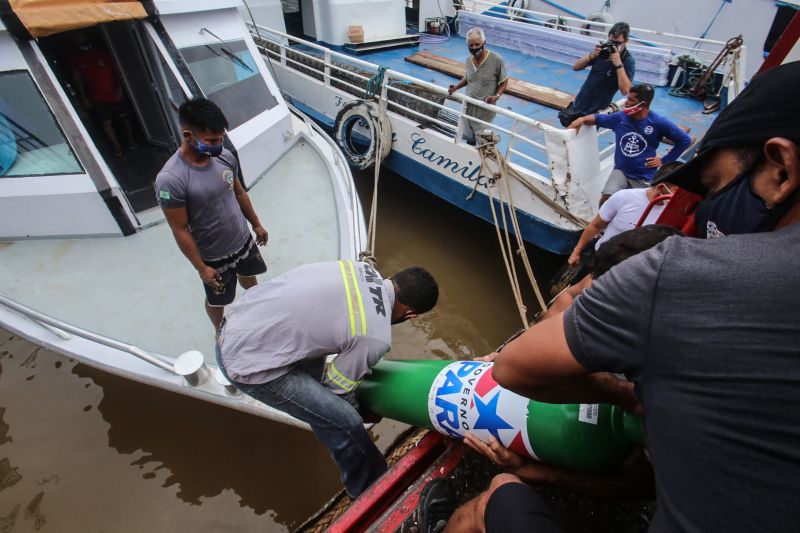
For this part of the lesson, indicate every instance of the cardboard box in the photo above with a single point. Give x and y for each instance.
(355, 34)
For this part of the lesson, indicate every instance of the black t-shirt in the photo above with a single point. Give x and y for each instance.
(598, 91)
(709, 330)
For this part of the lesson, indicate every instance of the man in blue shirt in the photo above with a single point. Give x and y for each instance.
(638, 134)
(612, 70)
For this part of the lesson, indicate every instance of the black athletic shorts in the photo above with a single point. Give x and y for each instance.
(515, 507)
(245, 262)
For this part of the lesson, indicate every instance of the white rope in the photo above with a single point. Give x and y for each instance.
(368, 255)
(508, 258)
(488, 152)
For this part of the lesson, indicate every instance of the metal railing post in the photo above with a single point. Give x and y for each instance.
(327, 68)
(461, 114)
(512, 138)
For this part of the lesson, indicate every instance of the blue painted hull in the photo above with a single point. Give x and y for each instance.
(534, 230)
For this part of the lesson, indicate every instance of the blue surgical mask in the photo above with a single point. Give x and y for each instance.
(211, 150)
(735, 209)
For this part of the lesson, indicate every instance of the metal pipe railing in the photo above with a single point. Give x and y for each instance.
(398, 76)
(607, 151)
(661, 44)
(516, 11)
(350, 185)
(531, 160)
(50, 322)
(402, 76)
(327, 56)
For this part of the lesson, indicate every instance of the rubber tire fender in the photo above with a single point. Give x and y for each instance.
(364, 113)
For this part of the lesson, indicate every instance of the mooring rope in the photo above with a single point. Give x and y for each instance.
(487, 150)
(374, 86)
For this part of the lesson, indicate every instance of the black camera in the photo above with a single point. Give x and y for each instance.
(607, 48)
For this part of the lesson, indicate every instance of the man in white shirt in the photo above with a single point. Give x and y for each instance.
(621, 212)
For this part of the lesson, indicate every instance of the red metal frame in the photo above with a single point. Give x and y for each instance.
(679, 211)
(405, 506)
(653, 202)
(785, 43)
(369, 507)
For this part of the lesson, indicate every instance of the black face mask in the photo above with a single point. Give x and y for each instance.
(476, 51)
(735, 209)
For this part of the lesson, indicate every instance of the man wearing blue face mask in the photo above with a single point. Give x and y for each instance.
(207, 208)
(707, 329)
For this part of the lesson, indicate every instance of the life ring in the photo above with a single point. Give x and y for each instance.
(591, 29)
(516, 9)
(365, 115)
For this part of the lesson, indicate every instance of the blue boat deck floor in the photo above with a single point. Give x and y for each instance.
(544, 72)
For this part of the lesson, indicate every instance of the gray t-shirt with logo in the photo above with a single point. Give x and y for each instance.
(709, 331)
(216, 221)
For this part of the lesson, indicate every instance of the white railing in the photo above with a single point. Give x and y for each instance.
(341, 163)
(65, 331)
(522, 148)
(706, 49)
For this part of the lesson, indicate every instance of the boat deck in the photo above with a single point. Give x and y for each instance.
(683, 111)
(141, 289)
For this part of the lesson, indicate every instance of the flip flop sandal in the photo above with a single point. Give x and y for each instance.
(436, 505)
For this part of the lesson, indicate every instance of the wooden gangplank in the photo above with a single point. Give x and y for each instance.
(522, 89)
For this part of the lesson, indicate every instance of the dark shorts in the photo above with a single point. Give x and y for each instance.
(515, 507)
(246, 262)
(104, 111)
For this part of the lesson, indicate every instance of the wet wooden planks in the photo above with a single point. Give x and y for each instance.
(522, 89)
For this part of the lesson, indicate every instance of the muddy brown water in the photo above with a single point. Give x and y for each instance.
(85, 451)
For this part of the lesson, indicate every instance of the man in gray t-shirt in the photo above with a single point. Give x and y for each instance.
(708, 330)
(275, 339)
(485, 78)
(207, 208)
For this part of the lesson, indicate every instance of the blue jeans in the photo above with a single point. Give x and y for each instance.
(334, 421)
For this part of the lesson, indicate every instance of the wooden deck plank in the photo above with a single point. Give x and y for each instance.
(522, 89)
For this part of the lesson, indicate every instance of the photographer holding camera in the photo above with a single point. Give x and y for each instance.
(613, 68)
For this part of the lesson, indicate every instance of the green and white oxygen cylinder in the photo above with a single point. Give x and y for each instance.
(459, 397)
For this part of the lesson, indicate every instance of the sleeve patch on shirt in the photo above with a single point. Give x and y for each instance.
(164, 195)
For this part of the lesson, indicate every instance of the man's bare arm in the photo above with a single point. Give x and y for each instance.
(634, 479)
(578, 122)
(249, 213)
(539, 365)
(623, 82)
(178, 220)
(584, 61)
(567, 296)
(502, 88)
(589, 233)
(461, 83)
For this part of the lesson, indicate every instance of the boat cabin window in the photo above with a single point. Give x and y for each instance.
(31, 143)
(228, 75)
